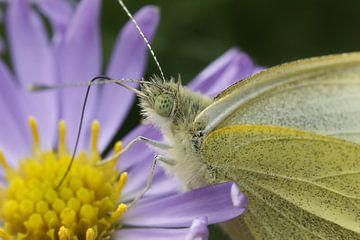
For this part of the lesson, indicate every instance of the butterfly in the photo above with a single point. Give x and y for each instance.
(289, 136)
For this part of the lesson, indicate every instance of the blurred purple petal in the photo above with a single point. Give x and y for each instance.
(128, 61)
(238, 198)
(79, 56)
(29, 47)
(33, 63)
(151, 234)
(213, 202)
(240, 68)
(258, 69)
(59, 13)
(228, 69)
(209, 75)
(198, 230)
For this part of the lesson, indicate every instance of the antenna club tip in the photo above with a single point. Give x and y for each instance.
(152, 10)
(37, 87)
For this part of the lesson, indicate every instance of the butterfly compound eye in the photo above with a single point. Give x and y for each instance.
(164, 104)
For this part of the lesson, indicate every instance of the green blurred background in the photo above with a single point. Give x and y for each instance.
(192, 33)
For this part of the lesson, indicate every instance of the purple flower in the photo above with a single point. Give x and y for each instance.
(90, 202)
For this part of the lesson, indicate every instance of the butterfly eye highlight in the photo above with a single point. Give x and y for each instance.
(164, 104)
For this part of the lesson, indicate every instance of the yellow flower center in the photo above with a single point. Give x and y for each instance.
(85, 205)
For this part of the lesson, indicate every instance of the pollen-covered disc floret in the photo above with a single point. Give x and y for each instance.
(85, 206)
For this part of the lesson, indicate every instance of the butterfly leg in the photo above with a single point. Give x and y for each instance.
(168, 161)
(150, 177)
(147, 141)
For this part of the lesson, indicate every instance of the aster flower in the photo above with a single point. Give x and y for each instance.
(90, 204)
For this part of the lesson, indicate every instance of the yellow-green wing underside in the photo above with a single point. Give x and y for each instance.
(300, 185)
(320, 95)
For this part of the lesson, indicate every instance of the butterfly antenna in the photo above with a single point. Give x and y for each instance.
(38, 87)
(98, 78)
(143, 37)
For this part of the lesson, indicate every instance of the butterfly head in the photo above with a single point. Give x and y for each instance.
(159, 99)
(169, 104)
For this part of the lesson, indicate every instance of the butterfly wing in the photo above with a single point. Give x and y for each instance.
(300, 185)
(320, 94)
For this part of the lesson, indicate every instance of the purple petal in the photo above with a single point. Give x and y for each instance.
(137, 162)
(12, 96)
(128, 61)
(140, 151)
(151, 234)
(59, 13)
(138, 174)
(198, 230)
(214, 202)
(231, 67)
(13, 141)
(33, 62)
(130, 52)
(79, 60)
(162, 185)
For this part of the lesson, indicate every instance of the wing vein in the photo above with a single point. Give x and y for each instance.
(243, 184)
(336, 175)
(300, 180)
